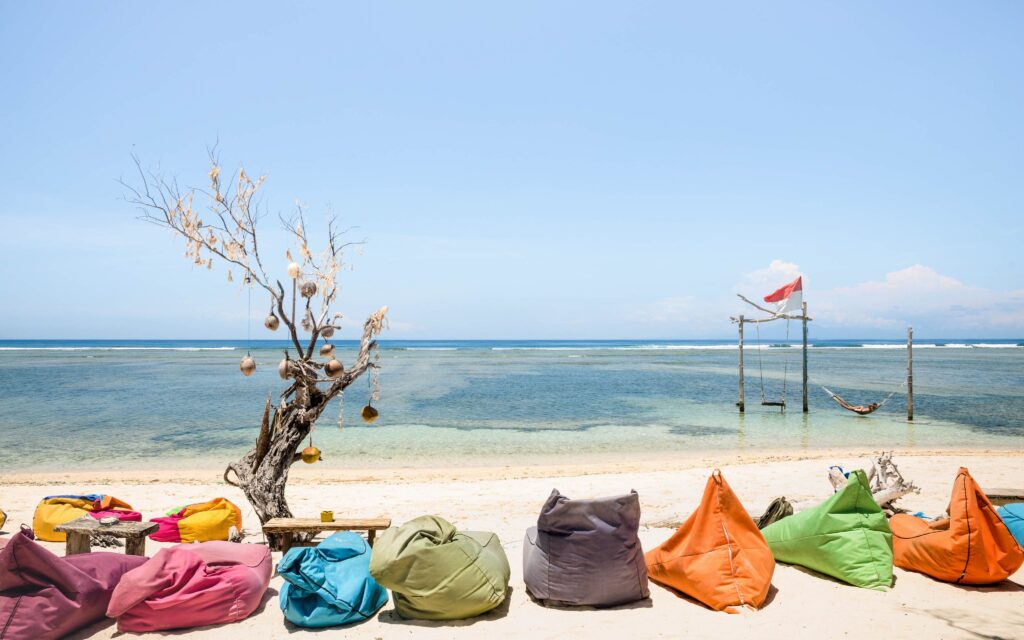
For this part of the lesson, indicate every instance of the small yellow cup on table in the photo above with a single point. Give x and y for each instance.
(326, 516)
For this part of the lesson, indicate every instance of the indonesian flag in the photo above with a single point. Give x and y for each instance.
(788, 298)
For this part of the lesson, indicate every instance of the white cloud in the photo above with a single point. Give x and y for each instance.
(920, 294)
(936, 305)
(776, 274)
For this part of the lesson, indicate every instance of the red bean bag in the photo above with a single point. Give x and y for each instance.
(45, 596)
(192, 585)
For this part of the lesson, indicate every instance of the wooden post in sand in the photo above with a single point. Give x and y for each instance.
(804, 321)
(742, 403)
(910, 373)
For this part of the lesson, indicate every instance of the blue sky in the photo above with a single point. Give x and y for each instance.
(531, 170)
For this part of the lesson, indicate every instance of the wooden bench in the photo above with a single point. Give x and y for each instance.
(80, 532)
(999, 497)
(287, 527)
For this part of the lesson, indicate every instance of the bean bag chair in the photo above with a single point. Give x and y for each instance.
(330, 584)
(45, 596)
(199, 522)
(972, 546)
(438, 573)
(718, 556)
(1013, 517)
(846, 537)
(56, 510)
(586, 552)
(192, 585)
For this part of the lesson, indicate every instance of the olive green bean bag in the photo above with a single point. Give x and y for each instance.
(438, 573)
(846, 537)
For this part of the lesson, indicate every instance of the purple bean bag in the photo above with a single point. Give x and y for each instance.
(45, 596)
(192, 585)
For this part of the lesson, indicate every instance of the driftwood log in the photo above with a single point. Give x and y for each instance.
(887, 483)
(224, 229)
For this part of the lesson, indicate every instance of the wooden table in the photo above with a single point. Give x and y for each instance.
(287, 527)
(81, 531)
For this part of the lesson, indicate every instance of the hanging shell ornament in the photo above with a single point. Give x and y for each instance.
(294, 270)
(272, 322)
(369, 413)
(307, 289)
(327, 331)
(283, 369)
(310, 454)
(248, 365)
(327, 350)
(333, 368)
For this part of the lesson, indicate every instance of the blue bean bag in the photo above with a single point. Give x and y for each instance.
(1013, 517)
(330, 584)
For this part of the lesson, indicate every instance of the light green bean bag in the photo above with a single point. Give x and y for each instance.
(846, 537)
(438, 573)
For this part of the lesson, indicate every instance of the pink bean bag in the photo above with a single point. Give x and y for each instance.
(45, 596)
(192, 585)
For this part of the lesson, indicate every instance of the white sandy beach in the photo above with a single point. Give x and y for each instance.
(801, 605)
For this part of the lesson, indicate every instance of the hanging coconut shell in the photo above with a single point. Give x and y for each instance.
(307, 289)
(294, 270)
(327, 350)
(248, 365)
(310, 455)
(327, 331)
(369, 413)
(272, 322)
(333, 368)
(283, 369)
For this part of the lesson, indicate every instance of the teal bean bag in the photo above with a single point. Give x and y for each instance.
(438, 573)
(330, 584)
(846, 537)
(1013, 517)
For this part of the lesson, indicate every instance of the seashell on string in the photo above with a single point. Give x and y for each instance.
(272, 322)
(333, 368)
(369, 413)
(307, 289)
(294, 270)
(283, 369)
(327, 331)
(327, 350)
(248, 365)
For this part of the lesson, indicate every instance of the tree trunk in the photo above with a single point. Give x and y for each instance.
(263, 481)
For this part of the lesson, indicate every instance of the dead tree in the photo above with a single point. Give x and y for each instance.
(219, 223)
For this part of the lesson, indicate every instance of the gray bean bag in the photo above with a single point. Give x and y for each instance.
(586, 552)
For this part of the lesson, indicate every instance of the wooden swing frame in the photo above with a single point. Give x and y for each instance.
(742, 320)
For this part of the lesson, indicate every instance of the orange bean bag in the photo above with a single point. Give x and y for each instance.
(972, 546)
(717, 556)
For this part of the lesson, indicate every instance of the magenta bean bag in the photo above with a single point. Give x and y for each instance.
(123, 516)
(45, 596)
(192, 585)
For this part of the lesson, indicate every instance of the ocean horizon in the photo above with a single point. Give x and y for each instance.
(168, 403)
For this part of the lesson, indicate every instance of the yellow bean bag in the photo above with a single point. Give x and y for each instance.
(200, 522)
(56, 510)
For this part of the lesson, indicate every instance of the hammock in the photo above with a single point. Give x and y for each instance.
(859, 409)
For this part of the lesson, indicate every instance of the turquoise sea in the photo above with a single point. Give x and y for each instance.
(141, 404)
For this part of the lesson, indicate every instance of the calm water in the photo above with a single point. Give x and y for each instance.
(184, 403)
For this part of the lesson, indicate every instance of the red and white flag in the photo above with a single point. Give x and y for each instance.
(789, 298)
